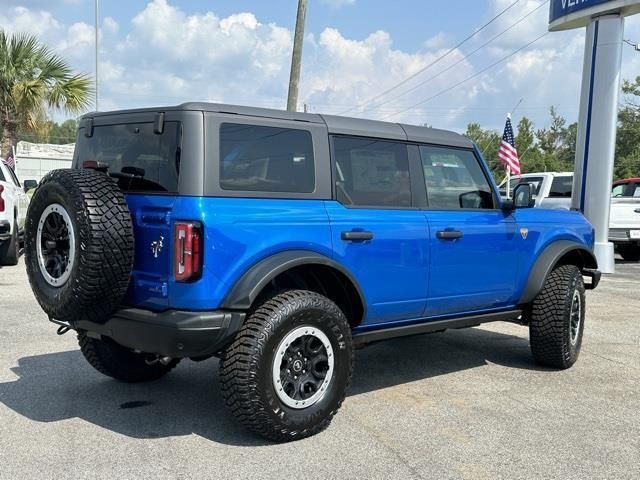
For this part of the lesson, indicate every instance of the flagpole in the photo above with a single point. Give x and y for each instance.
(507, 167)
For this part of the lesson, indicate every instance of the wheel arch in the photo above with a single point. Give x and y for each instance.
(299, 269)
(561, 252)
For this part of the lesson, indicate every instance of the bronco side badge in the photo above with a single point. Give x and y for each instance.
(156, 247)
(524, 232)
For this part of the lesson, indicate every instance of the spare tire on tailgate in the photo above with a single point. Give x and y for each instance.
(79, 245)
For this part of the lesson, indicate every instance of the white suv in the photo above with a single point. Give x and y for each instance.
(13, 211)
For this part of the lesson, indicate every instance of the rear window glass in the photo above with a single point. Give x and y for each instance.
(626, 190)
(140, 159)
(266, 159)
(561, 187)
(536, 183)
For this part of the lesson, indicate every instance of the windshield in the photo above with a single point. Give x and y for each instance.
(140, 159)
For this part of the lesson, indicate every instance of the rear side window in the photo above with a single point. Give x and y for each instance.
(373, 173)
(266, 159)
(2, 179)
(561, 187)
(140, 159)
(454, 179)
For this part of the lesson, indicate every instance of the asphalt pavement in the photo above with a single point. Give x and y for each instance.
(465, 404)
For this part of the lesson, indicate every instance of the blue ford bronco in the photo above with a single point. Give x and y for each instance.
(279, 242)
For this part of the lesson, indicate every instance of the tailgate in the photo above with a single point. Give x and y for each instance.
(151, 216)
(625, 213)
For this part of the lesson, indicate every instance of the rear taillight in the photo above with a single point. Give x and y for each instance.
(1, 199)
(187, 251)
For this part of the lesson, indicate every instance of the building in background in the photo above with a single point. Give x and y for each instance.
(35, 160)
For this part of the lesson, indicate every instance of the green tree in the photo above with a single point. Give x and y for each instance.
(627, 163)
(488, 142)
(32, 80)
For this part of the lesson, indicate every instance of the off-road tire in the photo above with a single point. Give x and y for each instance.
(103, 232)
(630, 253)
(10, 249)
(116, 361)
(550, 323)
(246, 367)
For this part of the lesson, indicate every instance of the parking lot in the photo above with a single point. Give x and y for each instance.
(459, 404)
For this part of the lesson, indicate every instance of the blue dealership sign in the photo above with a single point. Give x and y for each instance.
(561, 8)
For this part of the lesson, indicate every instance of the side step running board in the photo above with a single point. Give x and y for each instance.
(429, 326)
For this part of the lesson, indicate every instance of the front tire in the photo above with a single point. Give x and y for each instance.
(287, 371)
(557, 318)
(115, 361)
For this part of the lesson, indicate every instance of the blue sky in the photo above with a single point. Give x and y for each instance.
(168, 51)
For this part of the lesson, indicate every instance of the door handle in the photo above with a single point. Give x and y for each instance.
(449, 234)
(356, 236)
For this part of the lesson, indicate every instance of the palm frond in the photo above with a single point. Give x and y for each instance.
(34, 78)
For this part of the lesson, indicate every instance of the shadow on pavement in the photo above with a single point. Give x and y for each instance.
(59, 386)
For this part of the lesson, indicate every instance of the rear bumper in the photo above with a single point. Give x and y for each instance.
(173, 333)
(5, 230)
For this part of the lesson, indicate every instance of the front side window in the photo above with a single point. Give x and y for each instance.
(454, 179)
(266, 159)
(372, 173)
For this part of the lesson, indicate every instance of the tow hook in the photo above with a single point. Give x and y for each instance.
(158, 359)
(63, 327)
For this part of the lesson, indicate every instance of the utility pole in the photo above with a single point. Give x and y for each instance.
(296, 58)
(97, 39)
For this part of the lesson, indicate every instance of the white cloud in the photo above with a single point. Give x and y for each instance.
(110, 25)
(165, 55)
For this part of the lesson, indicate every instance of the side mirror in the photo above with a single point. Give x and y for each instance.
(523, 196)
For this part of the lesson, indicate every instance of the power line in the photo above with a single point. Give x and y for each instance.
(446, 54)
(414, 88)
(442, 92)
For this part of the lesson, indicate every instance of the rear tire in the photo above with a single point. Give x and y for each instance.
(286, 374)
(630, 253)
(116, 361)
(557, 318)
(10, 249)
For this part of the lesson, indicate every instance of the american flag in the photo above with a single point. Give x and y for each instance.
(10, 161)
(508, 154)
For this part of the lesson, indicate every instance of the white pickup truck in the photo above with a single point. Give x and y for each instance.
(553, 190)
(13, 212)
(624, 222)
(550, 189)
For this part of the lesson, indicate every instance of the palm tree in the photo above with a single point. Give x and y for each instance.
(33, 79)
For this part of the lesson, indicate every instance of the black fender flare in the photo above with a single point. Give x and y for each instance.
(549, 259)
(250, 284)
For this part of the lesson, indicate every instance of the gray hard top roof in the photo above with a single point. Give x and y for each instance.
(335, 124)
